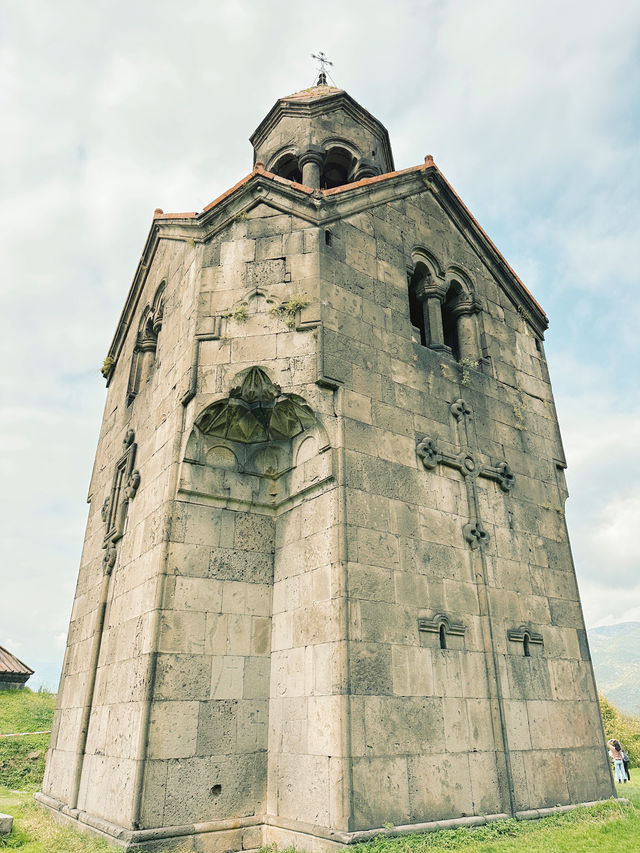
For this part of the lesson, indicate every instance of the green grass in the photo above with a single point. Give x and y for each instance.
(22, 758)
(607, 826)
(35, 830)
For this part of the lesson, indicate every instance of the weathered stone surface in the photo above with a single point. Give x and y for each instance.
(355, 603)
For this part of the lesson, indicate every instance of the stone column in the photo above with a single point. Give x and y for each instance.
(365, 169)
(465, 312)
(147, 356)
(431, 295)
(310, 163)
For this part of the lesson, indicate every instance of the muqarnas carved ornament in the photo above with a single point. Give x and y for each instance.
(256, 411)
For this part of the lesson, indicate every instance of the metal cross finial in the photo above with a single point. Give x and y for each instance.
(322, 59)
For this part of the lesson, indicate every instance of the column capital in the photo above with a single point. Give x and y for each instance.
(313, 154)
(430, 288)
(466, 306)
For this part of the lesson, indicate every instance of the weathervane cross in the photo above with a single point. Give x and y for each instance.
(322, 59)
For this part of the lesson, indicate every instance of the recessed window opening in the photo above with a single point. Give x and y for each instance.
(144, 353)
(337, 168)
(416, 311)
(449, 321)
(538, 345)
(443, 636)
(287, 167)
(328, 237)
(525, 646)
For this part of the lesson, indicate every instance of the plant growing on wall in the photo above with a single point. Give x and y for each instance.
(107, 366)
(288, 310)
(467, 364)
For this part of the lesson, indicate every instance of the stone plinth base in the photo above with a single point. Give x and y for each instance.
(249, 834)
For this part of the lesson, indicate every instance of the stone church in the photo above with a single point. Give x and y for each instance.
(326, 587)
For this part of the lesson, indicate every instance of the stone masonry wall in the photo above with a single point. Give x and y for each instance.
(216, 668)
(272, 638)
(428, 741)
(112, 743)
(208, 726)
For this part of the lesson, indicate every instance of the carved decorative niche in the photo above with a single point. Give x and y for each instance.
(258, 445)
(256, 411)
(126, 480)
(144, 353)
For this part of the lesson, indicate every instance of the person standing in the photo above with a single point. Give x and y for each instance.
(626, 760)
(615, 751)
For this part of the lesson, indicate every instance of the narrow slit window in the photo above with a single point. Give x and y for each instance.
(443, 636)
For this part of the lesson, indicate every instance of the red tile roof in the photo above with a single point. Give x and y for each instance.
(10, 664)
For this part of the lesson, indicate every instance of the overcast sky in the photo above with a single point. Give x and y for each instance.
(111, 109)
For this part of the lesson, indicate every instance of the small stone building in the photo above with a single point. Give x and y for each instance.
(13, 673)
(326, 583)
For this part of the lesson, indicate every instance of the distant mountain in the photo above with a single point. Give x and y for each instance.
(615, 651)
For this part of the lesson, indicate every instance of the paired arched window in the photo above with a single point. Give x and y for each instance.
(443, 308)
(144, 353)
(326, 166)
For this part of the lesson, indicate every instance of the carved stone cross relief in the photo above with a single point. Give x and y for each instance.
(467, 462)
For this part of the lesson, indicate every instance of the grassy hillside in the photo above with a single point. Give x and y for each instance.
(624, 727)
(22, 758)
(615, 651)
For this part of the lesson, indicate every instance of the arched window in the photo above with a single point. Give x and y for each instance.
(450, 320)
(443, 636)
(287, 167)
(416, 307)
(144, 353)
(337, 168)
(525, 646)
(442, 307)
